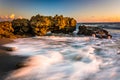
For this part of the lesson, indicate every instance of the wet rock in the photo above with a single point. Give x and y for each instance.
(8, 48)
(20, 65)
(78, 58)
(94, 31)
(11, 48)
(118, 53)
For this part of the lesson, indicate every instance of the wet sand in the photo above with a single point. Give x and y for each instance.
(7, 62)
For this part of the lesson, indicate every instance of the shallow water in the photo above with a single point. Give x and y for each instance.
(67, 58)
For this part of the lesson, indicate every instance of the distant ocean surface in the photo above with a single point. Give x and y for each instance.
(112, 25)
(69, 58)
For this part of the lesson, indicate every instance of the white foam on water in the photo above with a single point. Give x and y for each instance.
(82, 70)
(63, 58)
(32, 46)
(36, 63)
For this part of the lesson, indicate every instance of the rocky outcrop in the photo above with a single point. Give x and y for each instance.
(94, 31)
(6, 30)
(57, 24)
(38, 25)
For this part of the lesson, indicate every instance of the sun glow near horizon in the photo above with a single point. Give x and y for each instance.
(99, 19)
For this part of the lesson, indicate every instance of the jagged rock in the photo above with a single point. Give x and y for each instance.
(37, 26)
(94, 31)
(64, 25)
(58, 24)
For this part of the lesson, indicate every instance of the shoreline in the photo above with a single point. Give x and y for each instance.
(8, 62)
(2, 42)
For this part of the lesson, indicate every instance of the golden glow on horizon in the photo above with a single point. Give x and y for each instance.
(81, 18)
(108, 11)
(102, 19)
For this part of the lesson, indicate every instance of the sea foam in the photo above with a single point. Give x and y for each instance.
(64, 58)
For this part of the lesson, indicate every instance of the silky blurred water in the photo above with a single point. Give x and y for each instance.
(67, 58)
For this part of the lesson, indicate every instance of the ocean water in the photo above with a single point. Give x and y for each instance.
(68, 58)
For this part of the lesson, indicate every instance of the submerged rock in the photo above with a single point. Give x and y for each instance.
(11, 48)
(94, 31)
(8, 48)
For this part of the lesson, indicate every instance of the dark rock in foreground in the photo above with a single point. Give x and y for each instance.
(94, 31)
(8, 48)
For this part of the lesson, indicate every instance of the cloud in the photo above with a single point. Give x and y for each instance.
(7, 18)
(20, 17)
(12, 16)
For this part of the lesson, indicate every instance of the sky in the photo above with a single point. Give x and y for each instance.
(81, 10)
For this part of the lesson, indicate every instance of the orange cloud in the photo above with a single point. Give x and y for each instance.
(7, 18)
(20, 17)
(12, 16)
